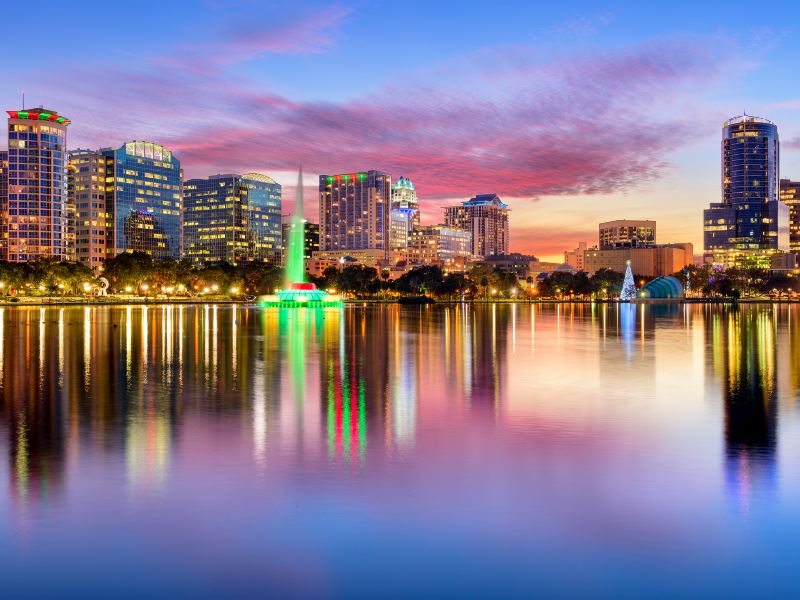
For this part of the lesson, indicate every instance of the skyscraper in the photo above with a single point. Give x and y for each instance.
(144, 192)
(790, 196)
(91, 213)
(33, 211)
(235, 218)
(354, 212)
(750, 223)
(404, 214)
(486, 218)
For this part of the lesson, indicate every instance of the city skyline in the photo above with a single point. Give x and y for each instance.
(551, 137)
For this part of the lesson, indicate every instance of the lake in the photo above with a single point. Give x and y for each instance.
(386, 451)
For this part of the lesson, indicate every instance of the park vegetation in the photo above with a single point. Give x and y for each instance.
(138, 273)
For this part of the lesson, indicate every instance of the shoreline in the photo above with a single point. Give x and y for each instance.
(196, 301)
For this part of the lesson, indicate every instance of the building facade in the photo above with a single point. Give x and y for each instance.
(90, 215)
(485, 217)
(404, 216)
(144, 198)
(232, 218)
(310, 236)
(790, 196)
(652, 261)
(575, 257)
(627, 233)
(750, 223)
(354, 212)
(33, 211)
(441, 245)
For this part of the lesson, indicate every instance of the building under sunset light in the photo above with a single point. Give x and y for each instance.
(354, 212)
(750, 224)
(485, 217)
(790, 196)
(144, 190)
(232, 218)
(33, 211)
(91, 214)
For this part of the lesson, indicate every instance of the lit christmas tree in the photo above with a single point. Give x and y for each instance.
(628, 292)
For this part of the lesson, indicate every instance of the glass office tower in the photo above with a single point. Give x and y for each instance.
(232, 218)
(750, 224)
(33, 210)
(144, 191)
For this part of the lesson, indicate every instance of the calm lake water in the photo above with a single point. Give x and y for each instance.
(228, 451)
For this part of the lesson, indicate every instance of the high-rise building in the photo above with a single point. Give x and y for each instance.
(3, 177)
(33, 211)
(404, 197)
(750, 224)
(790, 196)
(354, 212)
(627, 233)
(310, 236)
(404, 215)
(232, 218)
(485, 217)
(90, 214)
(440, 245)
(144, 197)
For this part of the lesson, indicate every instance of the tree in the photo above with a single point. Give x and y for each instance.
(420, 280)
(628, 291)
(608, 280)
(129, 269)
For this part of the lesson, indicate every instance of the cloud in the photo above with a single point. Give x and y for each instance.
(511, 121)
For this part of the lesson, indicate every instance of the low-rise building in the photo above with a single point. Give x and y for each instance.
(654, 261)
(448, 247)
(575, 257)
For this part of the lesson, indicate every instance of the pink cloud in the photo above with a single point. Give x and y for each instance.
(505, 121)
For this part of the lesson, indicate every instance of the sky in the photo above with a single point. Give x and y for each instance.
(573, 112)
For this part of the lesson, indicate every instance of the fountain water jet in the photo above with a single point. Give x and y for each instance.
(297, 292)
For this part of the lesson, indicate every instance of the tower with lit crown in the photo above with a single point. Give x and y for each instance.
(33, 209)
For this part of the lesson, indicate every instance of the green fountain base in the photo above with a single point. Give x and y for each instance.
(300, 295)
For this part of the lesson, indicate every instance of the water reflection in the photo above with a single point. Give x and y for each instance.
(158, 393)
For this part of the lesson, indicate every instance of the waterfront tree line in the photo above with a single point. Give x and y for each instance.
(140, 274)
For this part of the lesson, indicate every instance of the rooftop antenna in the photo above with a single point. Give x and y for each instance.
(23, 100)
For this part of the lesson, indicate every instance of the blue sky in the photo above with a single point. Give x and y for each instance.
(575, 112)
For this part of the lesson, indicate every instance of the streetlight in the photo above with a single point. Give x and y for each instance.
(128, 289)
(234, 290)
(215, 287)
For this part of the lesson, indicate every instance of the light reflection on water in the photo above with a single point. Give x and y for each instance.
(207, 450)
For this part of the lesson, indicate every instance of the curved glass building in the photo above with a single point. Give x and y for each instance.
(750, 223)
(144, 192)
(232, 218)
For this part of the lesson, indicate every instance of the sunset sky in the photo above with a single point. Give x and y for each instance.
(574, 112)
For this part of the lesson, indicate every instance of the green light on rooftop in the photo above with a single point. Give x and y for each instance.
(22, 114)
(44, 116)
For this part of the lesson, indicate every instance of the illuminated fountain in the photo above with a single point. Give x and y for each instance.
(297, 292)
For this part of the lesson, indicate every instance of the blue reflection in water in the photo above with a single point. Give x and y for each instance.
(461, 450)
